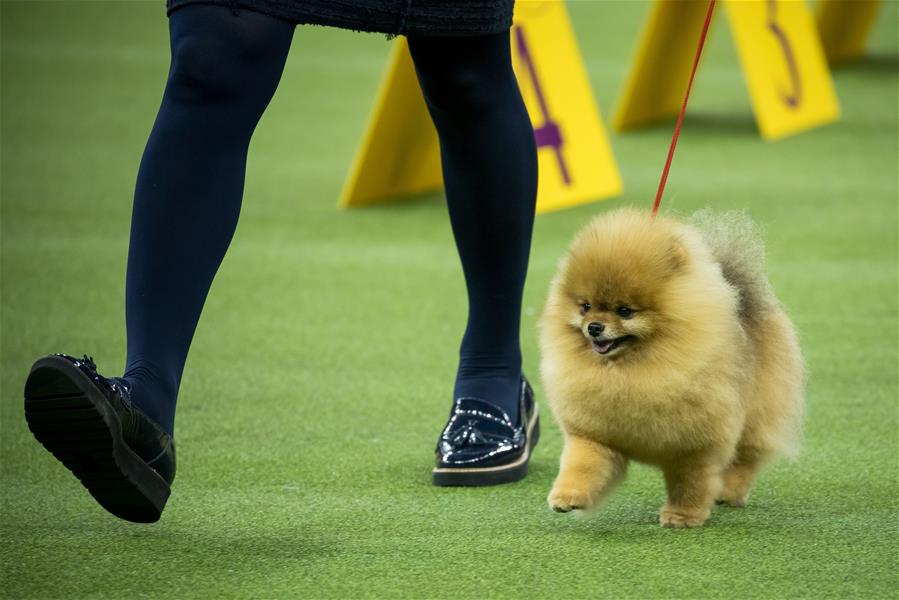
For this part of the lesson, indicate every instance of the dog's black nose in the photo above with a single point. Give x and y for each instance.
(595, 329)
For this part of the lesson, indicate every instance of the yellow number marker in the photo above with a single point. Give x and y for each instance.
(844, 26)
(780, 54)
(399, 155)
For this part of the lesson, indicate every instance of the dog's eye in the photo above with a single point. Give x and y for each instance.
(585, 308)
(624, 312)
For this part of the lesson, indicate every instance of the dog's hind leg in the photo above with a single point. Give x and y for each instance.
(739, 477)
(691, 489)
(587, 473)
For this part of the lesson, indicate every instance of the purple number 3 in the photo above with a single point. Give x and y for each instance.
(793, 98)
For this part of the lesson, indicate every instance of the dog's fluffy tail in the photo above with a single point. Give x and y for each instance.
(774, 420)
(736, 243)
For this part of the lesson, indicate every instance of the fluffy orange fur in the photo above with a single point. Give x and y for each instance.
(697, 369)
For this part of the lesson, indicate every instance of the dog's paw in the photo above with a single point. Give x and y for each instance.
(567, 499)
(678, 519)
(734, 498)
(735, 501)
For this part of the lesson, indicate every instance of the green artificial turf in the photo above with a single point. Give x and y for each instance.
(322, 369)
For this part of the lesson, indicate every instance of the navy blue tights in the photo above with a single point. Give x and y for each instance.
(225, 69)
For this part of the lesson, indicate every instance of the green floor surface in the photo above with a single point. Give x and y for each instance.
(305, 441)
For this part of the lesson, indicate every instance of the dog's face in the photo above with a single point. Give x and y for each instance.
(612, 320)
(614, 287)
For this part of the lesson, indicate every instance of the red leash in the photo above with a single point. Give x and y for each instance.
(683, 109)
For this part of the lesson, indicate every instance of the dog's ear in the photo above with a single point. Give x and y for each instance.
(677, 256)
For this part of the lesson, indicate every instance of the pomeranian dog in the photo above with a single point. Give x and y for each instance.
(662, 342)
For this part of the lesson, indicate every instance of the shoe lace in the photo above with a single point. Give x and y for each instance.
(88, 361)
(112, 384)
(468, 435)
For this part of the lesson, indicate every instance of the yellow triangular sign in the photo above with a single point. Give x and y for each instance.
(844, 26)
(399, 155)
(780, 53)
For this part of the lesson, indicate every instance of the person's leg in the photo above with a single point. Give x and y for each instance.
(489, 162)
(225, 68)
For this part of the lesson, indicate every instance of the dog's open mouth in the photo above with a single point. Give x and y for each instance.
(606, 346)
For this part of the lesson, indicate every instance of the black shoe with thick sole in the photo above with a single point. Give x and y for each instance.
(482, 445)
(89, 423)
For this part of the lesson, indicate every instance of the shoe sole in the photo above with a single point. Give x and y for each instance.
(73, 420)
(514, 471)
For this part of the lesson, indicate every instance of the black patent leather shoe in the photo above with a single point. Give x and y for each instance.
(89, 423)
(481, 445)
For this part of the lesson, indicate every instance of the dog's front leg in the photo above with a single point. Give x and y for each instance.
(587, 473)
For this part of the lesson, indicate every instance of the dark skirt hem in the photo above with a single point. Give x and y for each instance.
(434, 18)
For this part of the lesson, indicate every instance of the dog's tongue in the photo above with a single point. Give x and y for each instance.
(604, 347)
